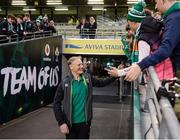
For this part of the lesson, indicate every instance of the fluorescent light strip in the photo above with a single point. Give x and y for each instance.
(54, 3)
(131, 2)
(61, 9)
(18, 2)
(15, 4)
(99, 9)
(29, 9)
(95, 2)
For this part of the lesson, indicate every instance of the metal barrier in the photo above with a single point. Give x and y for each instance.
(3, 39)
(124, 88)
(99, 33)
(163, 123)
(25, 62)
(30, 35)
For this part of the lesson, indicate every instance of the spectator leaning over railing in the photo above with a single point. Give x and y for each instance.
(28, 24)
(38, 26)
(6, 26)
(83, 26)
(135, 17)
(19, 26)
(92, 28)
(170, 44)
(45, 23)
(52, 27)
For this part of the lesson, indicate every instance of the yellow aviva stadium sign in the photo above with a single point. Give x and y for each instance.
(93, 46)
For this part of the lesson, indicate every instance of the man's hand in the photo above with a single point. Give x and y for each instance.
(64, 128)
(113, 72)
(121, 66)
(133, 73)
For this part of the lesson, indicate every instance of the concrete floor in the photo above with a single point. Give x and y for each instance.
(111, 120)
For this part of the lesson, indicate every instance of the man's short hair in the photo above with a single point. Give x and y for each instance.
(72, 59)
(19, 16)
(11, 16)
(27, 15)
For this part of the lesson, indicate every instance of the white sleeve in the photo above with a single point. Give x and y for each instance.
(144, 49)
(123, 72)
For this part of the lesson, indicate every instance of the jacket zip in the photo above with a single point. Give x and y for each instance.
(85, 107)
(71, 104)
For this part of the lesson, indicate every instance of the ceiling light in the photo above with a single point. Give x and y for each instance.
(132, 1)
(99, 9)
(98, 2)
(61, 8)
(18, 2)
(29, 9)
(54, 2)
(95, 1)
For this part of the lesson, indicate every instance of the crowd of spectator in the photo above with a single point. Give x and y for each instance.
(22, 25)
(87, 28)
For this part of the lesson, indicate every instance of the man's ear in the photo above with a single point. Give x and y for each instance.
(163, 1)
(70, 67)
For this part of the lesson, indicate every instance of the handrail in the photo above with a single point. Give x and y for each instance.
(29, 35)
(168, 126)
(98, 33)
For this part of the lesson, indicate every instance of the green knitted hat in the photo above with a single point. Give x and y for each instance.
(136, 13)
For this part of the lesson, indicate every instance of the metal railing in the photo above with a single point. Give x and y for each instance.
(29, 35)
(163, 122)
(99, 33)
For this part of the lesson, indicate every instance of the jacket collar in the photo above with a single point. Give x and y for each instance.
(70, 75)
(174, 7)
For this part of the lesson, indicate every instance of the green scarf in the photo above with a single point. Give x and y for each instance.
(135, 51)
(126, 47)
(174, 7)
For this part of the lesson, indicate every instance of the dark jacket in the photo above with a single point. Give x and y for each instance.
(62, 104)
(6, 28)
(20, 30)
(29, 26)
(83, 30)
(150, 30)
(92, 30)
(170, 44)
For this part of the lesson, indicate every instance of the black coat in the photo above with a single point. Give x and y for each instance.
(83, 29)
(5, 28)
(92, 30)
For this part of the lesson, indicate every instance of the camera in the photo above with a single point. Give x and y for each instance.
(108, 68)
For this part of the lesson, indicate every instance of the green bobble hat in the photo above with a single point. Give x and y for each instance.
(136, 13)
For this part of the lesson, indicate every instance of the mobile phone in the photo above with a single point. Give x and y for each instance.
(108, 68)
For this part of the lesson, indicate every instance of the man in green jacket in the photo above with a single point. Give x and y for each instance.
(73, 102)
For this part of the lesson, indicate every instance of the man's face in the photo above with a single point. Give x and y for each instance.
(77, 67)
(19, 21)
(129, 40)
(10, 20)
(132, 25)
(160, 6)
